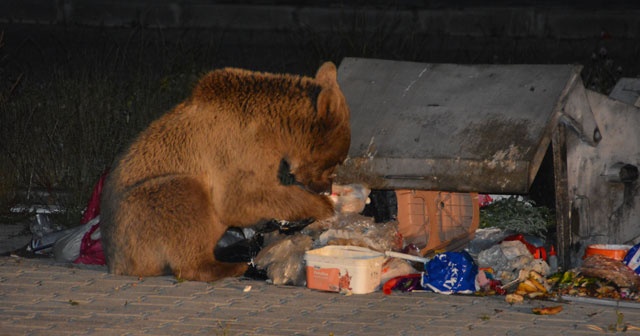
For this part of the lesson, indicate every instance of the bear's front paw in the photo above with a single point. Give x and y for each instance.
(283, 226)
(287, 227)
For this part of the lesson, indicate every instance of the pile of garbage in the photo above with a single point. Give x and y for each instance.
(282, 257)
(496, 262)
(597, 277)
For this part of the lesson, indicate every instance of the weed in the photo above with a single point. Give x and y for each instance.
(619, 325)
(600, 73)
(223, 329)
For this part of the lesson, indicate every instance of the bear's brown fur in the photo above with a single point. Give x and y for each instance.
(216, 161)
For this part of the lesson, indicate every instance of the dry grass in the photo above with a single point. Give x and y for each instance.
(61, 130)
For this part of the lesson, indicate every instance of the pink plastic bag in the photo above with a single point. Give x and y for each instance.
(484, 200)
(93, 208)
(91, 247)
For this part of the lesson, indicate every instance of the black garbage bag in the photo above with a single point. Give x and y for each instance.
(238, 245)
(243, 245)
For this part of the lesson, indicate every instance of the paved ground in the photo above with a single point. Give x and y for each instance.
(40, 297)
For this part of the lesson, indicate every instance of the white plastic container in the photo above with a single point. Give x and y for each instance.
(344, 268)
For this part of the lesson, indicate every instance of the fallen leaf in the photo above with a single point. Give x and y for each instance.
(594, 327)
(547, 310)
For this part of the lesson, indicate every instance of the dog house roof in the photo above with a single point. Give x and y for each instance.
(451, 127)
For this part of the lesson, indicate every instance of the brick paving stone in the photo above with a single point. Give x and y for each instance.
(144, 291)
(226, 313)
(298, 324)
(440, 331)
(202, 309)
(21, 285)
(18, 297)
(11, 314)
(584, 332)
(103, 303)
(43, 306)
(198, 322)
(35, 294)
(12, 330)
(236, 326)
(129, 329)
(160, 300)
(459, 321)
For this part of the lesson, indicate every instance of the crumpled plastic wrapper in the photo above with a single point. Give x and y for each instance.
(283, 255)
(485, 238)
(394, 267)
(349, 198)
(355, 230)
(283, 260)
(508, 258)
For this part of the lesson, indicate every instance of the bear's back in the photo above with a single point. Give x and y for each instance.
(228, 109)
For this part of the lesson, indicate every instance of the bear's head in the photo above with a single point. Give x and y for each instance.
(330, 135)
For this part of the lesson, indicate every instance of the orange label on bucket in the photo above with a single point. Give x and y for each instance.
(327, 279)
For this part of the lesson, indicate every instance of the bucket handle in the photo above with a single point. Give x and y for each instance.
(406, 256)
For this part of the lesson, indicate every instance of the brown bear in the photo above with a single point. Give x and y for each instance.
(246, 147)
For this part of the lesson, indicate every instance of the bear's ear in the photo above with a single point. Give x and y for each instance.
(330, 101)
(327, 75)
(331, 106)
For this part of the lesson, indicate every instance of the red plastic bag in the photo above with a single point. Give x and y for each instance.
(484, 200)
(93, 208)
(91, 247)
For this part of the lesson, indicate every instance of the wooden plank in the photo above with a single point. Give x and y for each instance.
(563, 208)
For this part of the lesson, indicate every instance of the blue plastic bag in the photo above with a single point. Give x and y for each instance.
(632, 259)
(451, 272)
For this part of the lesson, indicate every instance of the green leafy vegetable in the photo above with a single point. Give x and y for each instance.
(517, 215)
